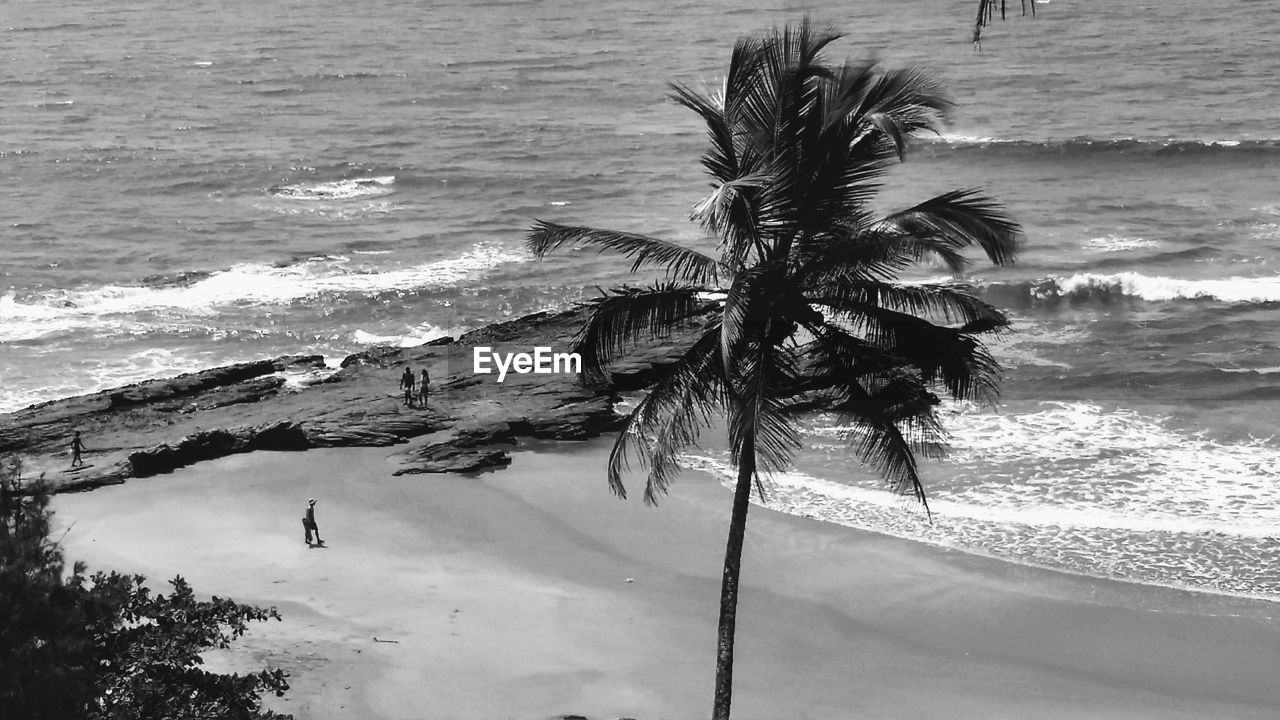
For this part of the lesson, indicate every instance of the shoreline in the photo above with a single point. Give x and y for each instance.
(508, 593)
(158, 426)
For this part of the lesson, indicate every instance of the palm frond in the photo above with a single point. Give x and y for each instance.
(889, 105)
(683, 401)
(954, 357)
(887, 406)
(773, 115)
(737, 315)
(680, 262)
(729, 212)
(951, 302)
(720, 212)
(833, 357)
(986, 11)
(626, 316)
(909, 99)
(877, 254)
(891, 446)
(962, 218)
(763, 376)
(721, 158)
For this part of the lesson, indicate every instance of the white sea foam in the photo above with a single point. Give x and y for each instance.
(1017, 356)
(295, 380)
(87, 375)
(1071, 486)
(802, 494)
(1264, 231)
(1118, 243)
(346, 189)
(961, 139)
(1147, 287)
(122, 308)
(334, 210)
(412, 337)
(1080, 465)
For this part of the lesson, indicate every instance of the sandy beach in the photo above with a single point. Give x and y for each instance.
(533, 592)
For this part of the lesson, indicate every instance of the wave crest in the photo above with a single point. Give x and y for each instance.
(347, 189)
(135, 308)
(1102, 289)
(1086, 146)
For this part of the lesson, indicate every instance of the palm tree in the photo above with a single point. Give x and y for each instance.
(811, 316)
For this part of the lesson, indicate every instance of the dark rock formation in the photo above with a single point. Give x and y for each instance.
(159, 425)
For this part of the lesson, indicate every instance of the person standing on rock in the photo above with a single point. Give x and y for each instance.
(423, 386)
(77, 447)
(406, 382)
(309, 523)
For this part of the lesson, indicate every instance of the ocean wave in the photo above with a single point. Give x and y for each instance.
(410, 338)
(1114, 243)
(195, 296)
(1025, 347)
(1106, 492)
(1087, 146)
(1254, 371)
(1102, 289)
(346, 189)
(1080, 464)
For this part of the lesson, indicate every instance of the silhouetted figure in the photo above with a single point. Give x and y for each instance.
(423, 386)
(77, 447)
(309, 523)
(406, 382)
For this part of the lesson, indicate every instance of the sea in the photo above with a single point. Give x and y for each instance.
(189, 185)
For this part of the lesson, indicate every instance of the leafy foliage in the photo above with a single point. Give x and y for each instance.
(103, 646)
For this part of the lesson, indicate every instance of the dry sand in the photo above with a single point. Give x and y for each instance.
(532, 592)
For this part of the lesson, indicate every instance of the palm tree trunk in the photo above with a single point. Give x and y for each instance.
(729, 586)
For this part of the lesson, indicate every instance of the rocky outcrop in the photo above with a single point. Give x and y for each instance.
(467, 425)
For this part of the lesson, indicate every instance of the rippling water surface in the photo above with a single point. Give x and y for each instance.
(188, 186)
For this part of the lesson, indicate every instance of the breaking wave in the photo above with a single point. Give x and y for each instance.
(348, 189)
(198, 295)
(1086, 146)
(1107, 492)
(1099, 288)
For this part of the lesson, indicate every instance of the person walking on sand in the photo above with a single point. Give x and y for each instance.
(309, 523)
(406, 382)
(423, 385)
(77, 447)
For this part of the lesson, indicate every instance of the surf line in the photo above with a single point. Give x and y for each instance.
(542, 361)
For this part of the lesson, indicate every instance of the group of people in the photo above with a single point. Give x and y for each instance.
(414, 389)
